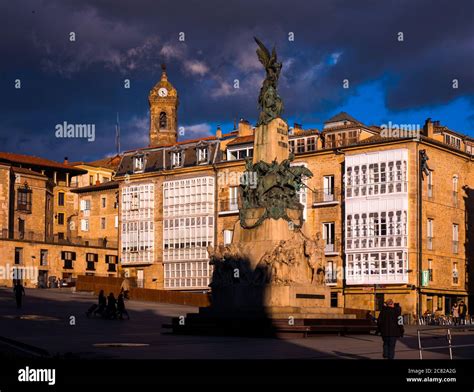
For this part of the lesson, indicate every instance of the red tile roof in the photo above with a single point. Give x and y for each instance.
(36, 161)
(241, 140)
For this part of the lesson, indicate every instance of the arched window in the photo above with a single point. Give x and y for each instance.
(163, 121)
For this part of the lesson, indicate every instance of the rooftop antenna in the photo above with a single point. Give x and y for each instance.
(117, 135)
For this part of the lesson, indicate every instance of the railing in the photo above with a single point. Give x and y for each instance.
(429, 243)
(455, 247)
(330, 278)
(333, 245)
(326, 195)
(32, 236)
(229, 205)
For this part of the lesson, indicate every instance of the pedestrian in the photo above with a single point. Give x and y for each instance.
(19, 291)
(455, 313)
(462, 312)
(111, 306)
(102, 303)
(390, 324)
(121, 307)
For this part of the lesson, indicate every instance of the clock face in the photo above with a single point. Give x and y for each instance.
(162, 92)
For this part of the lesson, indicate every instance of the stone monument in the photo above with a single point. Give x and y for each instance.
(272, 272)
(271, 261)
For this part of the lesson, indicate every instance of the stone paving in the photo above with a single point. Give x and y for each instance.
(44, 322)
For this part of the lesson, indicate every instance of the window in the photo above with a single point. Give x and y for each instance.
(188, 228)
(91, 259)
(111, 261)
(328, 236)
(105, 179)
(137, 226)
(21, 228)
(453, 141)
(24, 199)
(328, 188)
(103, 223)
(311, 144)
(455, 274)
(163, 121)
(18, 255)
(68, 258)
(85, 224)
(429, 233)
(300, 145)
(331, 273)
(333, 300)
(85, 206)
(228, 234)
(177, 159)
(60, 198)
(203, 154)
(91, 180)
(138, 163)
(239, 153)
(455, 238)
(455, 191)
(43, 257)
(291, 143)
(60, 218)
(430, 184)
(116, 221)
(103, 201)
(233, 198)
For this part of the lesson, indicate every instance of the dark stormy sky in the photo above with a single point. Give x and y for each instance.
(83, 81)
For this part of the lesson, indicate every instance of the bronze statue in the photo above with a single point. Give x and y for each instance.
(269, 101)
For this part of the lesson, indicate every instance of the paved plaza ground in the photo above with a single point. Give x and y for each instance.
(44, 322)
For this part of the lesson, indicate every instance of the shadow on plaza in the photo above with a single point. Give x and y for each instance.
(44, 323)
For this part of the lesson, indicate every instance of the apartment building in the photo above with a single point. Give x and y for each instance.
(394, 225)
(38, 241)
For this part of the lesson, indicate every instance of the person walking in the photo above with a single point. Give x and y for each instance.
(111, 306)
(102, 303)
(19, 291)
(455, 313)
(390, 324)
(121, 307)
(462, 312)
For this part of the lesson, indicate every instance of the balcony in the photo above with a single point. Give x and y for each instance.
(326, 197)
(228, 206)
(40, 237)
(330, 279)
(332, 246)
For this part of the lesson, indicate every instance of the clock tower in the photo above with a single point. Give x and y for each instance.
(163, 99)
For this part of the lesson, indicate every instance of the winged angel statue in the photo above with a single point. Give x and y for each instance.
(269, 101)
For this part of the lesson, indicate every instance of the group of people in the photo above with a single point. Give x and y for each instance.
(110, 307)
(459, 313)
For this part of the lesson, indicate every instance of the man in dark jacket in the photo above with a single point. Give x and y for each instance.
(19, 291)
(390, 324)
(462, 312)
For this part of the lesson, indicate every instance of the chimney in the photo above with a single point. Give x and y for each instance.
(66, 161)
(219, 132)
(428, 128)
(244, 128)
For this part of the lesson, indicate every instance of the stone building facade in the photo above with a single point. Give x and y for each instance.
(38, 235)
(367, 199)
